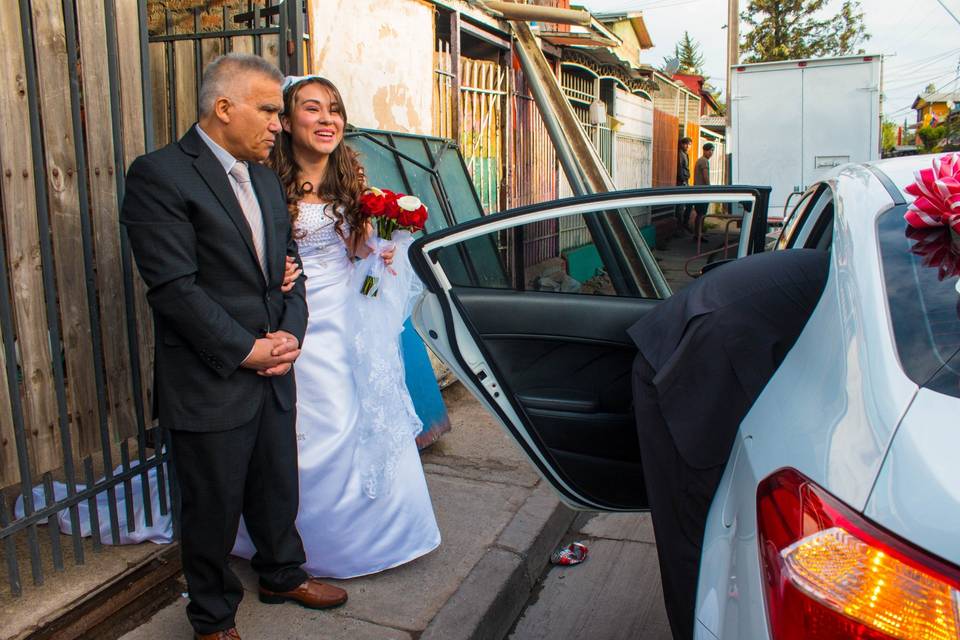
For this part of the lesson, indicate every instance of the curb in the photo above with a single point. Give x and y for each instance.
(488, 601)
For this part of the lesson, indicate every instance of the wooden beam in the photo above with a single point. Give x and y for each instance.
(455, 72)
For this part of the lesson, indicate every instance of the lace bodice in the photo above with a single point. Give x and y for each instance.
(316, 233)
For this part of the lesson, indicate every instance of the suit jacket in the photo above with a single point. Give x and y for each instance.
(683, 168)
(715, 344)
(210, 299)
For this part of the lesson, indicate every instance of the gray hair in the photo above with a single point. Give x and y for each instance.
(223, 69)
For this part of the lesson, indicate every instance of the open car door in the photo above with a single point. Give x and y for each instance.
(530, 309)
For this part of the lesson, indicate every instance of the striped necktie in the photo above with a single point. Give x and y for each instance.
(251, 210)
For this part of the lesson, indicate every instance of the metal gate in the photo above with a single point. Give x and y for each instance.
(77, 92)
(184, 41)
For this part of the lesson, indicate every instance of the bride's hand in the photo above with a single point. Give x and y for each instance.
(291, 272)
(387, 255)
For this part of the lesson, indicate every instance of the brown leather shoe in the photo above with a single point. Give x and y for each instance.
(312, 594)
(229, 634)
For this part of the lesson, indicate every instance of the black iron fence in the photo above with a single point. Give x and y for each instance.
(83, 93)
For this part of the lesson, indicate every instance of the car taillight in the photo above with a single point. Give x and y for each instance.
(830, 574)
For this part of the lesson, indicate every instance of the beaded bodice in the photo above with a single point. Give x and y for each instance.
(316, 231)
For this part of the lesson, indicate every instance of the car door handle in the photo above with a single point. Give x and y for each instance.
(559, 400)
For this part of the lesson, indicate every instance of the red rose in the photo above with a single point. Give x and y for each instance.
(419, 218)
(372, 204)
(391, 209)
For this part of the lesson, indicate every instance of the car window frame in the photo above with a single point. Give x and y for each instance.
(795, 218)
(818, 214)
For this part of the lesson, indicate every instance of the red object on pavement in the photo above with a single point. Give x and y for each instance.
(573, 553)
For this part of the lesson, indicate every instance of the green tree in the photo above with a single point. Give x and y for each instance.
(888, 136)
(791, 29)
(932, 137)
(687, 52)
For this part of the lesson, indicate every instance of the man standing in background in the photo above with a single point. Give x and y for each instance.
(701, 176)
(683, 179)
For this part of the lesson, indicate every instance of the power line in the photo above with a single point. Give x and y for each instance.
(947, 9)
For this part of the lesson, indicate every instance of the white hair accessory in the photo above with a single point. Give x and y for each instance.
(289, 81)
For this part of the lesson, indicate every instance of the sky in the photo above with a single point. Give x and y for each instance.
(919, 38)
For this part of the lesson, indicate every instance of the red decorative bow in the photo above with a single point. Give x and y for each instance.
(936, 195)
(937, 250)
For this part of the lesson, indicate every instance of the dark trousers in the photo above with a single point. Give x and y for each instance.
(701, 211)
(250, 470)
(680, 497)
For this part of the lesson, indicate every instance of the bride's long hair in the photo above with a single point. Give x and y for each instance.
(344, 181)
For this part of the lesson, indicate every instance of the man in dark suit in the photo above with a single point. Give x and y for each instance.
(210, 232)
(705, 354)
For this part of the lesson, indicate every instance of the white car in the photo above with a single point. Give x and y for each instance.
(838, 515)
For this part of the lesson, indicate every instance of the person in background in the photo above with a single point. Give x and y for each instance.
(683, 179)
(701, 177)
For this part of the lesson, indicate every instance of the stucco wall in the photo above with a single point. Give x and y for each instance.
(379, 53)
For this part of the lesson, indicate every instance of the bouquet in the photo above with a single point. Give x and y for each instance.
(390, 214)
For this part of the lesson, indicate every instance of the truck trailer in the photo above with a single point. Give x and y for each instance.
(792, 121)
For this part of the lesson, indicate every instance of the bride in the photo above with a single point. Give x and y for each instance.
(345, 531)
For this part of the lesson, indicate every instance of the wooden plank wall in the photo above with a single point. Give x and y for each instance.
(23, 254)
(16, 195)
(134, 145)
(64, 185)
(104, 213)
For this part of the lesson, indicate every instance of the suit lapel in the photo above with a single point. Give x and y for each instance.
(261, 187)
(213, 174)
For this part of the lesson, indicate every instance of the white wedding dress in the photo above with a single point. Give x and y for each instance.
(345, 531)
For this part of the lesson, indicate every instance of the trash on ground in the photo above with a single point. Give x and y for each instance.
(573, 553)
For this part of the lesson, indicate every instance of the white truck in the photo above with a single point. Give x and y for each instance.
(793, 121)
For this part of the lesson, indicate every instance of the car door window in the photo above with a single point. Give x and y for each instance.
(815, 226)
(599, 250)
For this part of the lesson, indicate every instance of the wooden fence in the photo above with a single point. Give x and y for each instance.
(483, 94)
(77, 333)
(665, 147)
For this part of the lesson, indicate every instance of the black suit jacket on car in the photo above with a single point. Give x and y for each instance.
(210, 300)
(716, 343)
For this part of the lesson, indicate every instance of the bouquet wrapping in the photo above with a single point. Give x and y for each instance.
(387, 421)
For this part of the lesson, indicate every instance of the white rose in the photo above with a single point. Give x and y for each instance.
(375, 191)
(409, 203)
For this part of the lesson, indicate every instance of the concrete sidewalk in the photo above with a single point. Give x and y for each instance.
(498, 521)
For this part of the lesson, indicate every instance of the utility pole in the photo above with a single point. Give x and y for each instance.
(733, 48)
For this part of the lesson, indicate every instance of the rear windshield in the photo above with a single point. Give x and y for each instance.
(920, 270)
